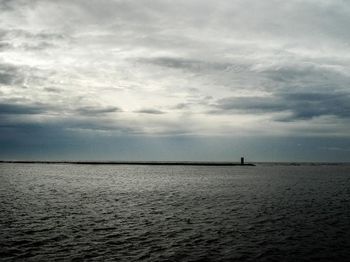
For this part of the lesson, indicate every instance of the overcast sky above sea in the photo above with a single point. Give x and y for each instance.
(175, 80)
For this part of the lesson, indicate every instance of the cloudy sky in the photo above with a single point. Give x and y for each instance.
(175, 80)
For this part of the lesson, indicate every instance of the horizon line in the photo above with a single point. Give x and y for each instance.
(166, 162)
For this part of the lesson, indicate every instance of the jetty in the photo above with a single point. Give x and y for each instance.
(148, 163)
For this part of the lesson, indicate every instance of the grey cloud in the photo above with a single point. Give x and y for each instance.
(301, 22)
(20, 76)
(308, 75)
(52, 90)
(205, 71)
(4, 46)
(6, 4)
(172, 62)
(182, 106)
(193, 64)
(302, 106)
(150, 111)
(16, 33)
(271, 18)
(253, 104)
(89, 110)
(10, 75)
(26, 40)
(36, 46)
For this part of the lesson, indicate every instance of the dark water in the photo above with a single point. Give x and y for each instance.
(165, 213)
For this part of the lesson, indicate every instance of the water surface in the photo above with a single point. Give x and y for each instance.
(174, 213)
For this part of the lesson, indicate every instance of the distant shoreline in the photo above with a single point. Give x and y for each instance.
(151, 163)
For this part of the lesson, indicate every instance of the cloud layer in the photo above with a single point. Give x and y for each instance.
(165, 68)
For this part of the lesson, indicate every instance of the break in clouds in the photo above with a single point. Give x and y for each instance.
(170, 68)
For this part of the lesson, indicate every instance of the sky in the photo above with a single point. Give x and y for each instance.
(175, 80)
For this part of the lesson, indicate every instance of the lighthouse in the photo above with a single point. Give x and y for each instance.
(242, 161)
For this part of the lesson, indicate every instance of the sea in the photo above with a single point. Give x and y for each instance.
(267, 212)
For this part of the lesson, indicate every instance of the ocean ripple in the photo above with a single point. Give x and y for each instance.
(174, 213)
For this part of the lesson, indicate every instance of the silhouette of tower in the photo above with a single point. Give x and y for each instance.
(242, 160)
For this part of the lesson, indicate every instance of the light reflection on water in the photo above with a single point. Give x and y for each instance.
(174, 213)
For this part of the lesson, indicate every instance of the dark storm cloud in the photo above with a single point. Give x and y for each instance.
(308, 75)
(150, 111)
(26, 138)
(301, 105)
(309, 105)
(16, 109)
(22, 107)
(30, 139)
(100, 124)
(26, 126)
(254, 104)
